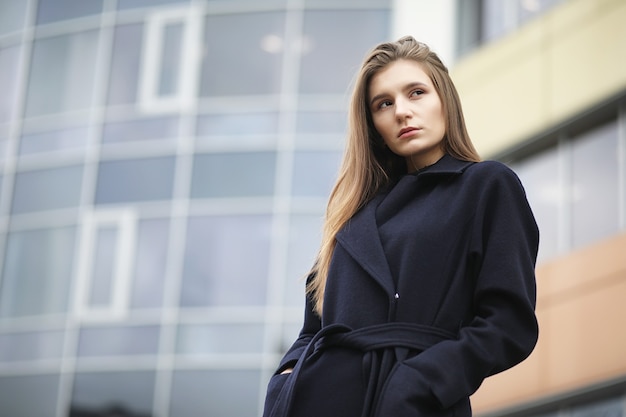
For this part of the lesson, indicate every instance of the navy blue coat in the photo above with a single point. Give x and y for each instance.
(431, 289)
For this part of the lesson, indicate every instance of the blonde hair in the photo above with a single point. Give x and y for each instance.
(367, 164)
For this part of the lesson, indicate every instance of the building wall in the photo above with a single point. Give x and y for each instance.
(519, 91)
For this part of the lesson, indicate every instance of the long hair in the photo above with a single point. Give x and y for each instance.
(367, 164)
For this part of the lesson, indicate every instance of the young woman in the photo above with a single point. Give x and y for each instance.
(424, 283)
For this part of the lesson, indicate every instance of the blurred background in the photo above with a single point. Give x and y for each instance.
(165, 164)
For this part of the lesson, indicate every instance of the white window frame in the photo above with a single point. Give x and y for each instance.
(125, 221)
(189, 66)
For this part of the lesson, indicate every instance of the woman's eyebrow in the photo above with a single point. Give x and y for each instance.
(406, 87)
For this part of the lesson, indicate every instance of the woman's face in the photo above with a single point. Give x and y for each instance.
(407, 113)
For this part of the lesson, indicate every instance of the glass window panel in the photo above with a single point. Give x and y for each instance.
(498, 18)
(42, 287)
(321, 122)
(125, 64)
(102, 269)
(237, 124)
(47, 189)
(531, 8)
(305, 233)
(30, 346)
(314, 173)
(115, 341)
(135, 180)
(233, 175)
(12, 16)
(9, 60)
(62, 73)
(595, 192)
(540, 176)
(30, 395)
(150, 264)
(227, 73)
(325, 42)
(55, 10)
(62, 139)
(224, 393)
(171, 59)
(196, 339)
(133, 4)
(141, 130)
(226, 261)
(613, 407)
(112, 393)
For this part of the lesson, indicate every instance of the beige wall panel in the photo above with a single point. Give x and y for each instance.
(588, 57)
(581, 310)
(554, 67)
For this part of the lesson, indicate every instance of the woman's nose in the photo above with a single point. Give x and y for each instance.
(403, 109)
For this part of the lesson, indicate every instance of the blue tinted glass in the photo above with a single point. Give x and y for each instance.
(47, 189)
(29, 346)
(62, 73)
(33, 288)
(314, 173)
(63, 139)
(125, 64)
(321, 46)
(233, 175)
(201, 393)
(226, 261)
(17, 394)
(118, 341)
(135, 180)
(141, 130)
(195, 339)
(55, 10)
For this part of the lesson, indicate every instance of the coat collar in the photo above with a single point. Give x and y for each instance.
(360, 237)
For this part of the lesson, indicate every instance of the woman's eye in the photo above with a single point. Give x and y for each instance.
(416, 93)
(384, 104)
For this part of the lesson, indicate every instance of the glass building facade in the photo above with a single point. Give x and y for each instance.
(164, 167)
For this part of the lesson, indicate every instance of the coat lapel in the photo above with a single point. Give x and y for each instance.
(360, 237)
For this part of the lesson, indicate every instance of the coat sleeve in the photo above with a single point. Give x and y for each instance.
(504, 329)
(311, 326)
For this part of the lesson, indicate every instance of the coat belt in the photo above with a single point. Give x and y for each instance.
(400, 336)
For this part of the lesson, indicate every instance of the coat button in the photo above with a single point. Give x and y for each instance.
(397, 296)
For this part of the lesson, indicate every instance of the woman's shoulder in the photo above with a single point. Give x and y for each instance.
(487, 174)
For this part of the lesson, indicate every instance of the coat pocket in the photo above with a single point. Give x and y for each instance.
(406, 393)
(274, 387)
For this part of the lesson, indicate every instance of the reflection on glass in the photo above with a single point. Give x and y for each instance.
(8, 81)
(112, 394)
(125, 64)
(47, 189)
(102, 272)
(12, 16)
(237, 124)
(150, 264)
(314, 173)
(171, 59)
(63, 139)
(140, 130)
(118, 341)
(226, 261)
(233, 175)
(135, 180)
(321, 122)
(226, 69)
(41, 287)
(321, 45)
(31, 346)
(223, 393)
(194, 339)
(305, 233)
(17, 394)
(546, 194)
(133, 4)
(54, 10)
(62, 74)
(595, 192)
